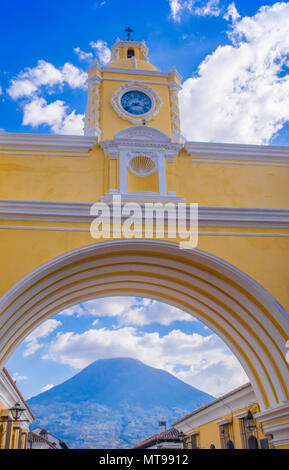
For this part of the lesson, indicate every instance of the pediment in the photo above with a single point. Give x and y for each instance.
(143, 133)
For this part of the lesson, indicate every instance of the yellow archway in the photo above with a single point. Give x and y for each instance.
(240, 311)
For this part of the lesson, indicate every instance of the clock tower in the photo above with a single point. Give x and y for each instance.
(128, 91)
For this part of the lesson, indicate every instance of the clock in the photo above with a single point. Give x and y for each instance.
(136, 102)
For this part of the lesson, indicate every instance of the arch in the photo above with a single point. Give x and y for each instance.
(240, 311)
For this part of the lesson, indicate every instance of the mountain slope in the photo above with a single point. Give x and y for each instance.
(114, 403)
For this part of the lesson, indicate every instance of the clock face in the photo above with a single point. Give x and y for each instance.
(136, 102)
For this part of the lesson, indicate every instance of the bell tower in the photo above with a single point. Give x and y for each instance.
(128, 91)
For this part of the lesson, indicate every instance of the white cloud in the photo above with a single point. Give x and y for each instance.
(100, 4)
(18, 378)
(130, 311)
(55, 115)
(28, 82)
(194, 7)
(102, 51)
(46, 387)
(231, 13)
(210, 8)
(83, 55)
(204, 362)
(241, 91)
(42, 331)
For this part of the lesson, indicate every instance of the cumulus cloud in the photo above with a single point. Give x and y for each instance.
(42, 331)
(240, 93)
(55, 115)
(130, 311)
(102, 51)
(231, 14)
(45, 74)
(204, 362)
(83, 55)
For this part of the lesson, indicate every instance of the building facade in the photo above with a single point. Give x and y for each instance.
(224, 424)
(235, 280)
(13, 432)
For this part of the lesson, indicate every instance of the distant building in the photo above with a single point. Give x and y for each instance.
(40, 438)
(165, 439)
(38, 441)
(230, 421)
(15, 414)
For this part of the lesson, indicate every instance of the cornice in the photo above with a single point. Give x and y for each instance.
(57, 211)
(155, 73)
(255, 153)
(46, 142)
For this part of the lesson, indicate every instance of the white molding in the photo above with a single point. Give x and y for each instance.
(152, 232)
(241, 415)
(143, 196)
(223, 421)
(148, 82)
(59, 211)
(203, 285)
(125, 71)
(49, 142)
(268, 418)
(225, 152)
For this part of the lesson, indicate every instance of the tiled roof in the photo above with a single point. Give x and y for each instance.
(170, 435)
(34, 437)
(211, 403)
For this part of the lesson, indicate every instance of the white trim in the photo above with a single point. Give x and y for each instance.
(135, 119)
(166, 232)
(268, 418)
(125, 71)
(44, 154)
(143, 196)
(224, 162)
(49, 142)
(197, 282)
(242, 414)
(224, 152)
(223, 421)
(209, 216)
(137, 81)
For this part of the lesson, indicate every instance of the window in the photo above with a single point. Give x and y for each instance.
(194, 441)
(130, 53)
(226, 436)
(249, 439)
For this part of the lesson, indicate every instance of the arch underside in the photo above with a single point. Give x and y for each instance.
(241, 312)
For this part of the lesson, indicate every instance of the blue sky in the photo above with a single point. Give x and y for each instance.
(234, 59)
(155, 333)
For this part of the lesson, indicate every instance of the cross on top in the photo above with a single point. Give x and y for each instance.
(128, 31)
